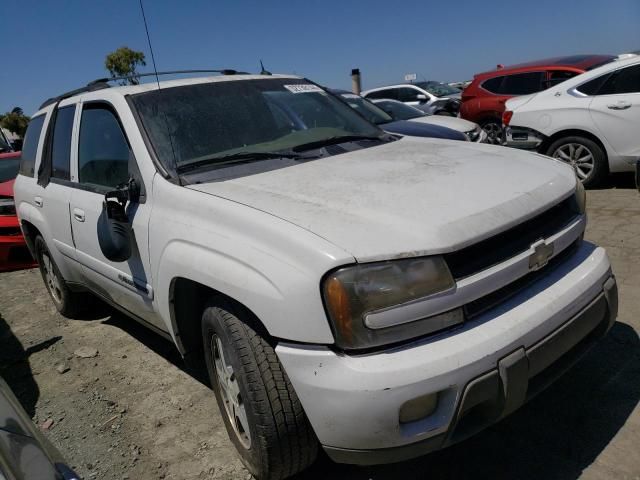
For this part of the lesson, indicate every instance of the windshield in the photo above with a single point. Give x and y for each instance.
(9, 168)
(399, 110)
(208, 123)
(367, 109)
(438, 89)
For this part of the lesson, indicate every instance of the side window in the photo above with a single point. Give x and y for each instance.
(387, 93)
(103, 150)
(592, 87)
(61, 147)
(626, 80)
(493, 84)
(408, 94)
(558, 76)
(30, 146)
(522, 83)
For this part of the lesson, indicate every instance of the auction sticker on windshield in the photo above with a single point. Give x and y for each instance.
(303, 88)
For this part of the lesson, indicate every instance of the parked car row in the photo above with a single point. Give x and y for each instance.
(346, 288)
(581, 109)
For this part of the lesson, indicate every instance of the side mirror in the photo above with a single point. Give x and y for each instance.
(115, 235)
(422, 98)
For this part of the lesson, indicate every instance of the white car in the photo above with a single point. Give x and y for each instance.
(431, 97)
(402, 111)
(376, 296)
(590, 121)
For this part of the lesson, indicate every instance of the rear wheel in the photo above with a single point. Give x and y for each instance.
(585, 156)
(69, 304)
(493, 128)
(261, 411)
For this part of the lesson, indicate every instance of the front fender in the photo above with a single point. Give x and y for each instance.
(285, 298)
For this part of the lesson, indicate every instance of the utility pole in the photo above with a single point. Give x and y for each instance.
(356, 85)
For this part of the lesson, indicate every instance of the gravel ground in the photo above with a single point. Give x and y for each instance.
(117, 402)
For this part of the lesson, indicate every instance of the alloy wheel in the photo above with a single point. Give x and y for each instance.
(51, 278)
(578, 156)
(230, 392)
(494, 133)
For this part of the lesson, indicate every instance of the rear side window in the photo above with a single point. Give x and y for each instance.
(592, 87)
(103, 150)
(522, 83)
(61, 147)
(493, 84)
(30, 146)
(388, 93)
(558, 76)
(626, 80)
(408, 94)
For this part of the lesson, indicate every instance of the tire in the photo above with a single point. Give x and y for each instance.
(266, 422)
(493, 128)
(587, 158)
(69, 304)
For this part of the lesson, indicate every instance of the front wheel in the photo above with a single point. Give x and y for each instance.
(584, 155)
(261, 411)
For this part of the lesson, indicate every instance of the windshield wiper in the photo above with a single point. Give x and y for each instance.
(332, 141)
(238, 157)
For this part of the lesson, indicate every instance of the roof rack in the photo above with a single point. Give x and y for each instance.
(102, 83)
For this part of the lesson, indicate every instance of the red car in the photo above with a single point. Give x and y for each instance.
(483, 100)
(14, 253)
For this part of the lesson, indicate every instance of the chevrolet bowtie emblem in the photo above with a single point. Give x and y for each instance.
(542, 252)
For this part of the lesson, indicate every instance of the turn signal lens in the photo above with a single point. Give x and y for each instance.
(338, 304)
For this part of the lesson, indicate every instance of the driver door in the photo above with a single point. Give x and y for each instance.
(104, 162)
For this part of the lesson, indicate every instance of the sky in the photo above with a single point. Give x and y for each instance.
(53, 46)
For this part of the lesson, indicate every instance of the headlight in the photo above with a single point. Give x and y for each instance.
(7, 206)
(474, 135)
(353, 293)
(581, 198)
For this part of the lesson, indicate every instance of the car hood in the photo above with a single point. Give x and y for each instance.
(454, 123)
(410, 197)
(414, 129)
(6, 188)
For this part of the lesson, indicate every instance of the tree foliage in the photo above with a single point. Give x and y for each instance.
(15, 121)
(123, 62)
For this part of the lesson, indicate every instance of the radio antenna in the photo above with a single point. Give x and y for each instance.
(155, 70)
(153, 58)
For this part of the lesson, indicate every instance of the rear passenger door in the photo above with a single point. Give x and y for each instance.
(104, 162)
(52, 193)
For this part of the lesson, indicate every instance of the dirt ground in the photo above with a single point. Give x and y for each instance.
(133, 412)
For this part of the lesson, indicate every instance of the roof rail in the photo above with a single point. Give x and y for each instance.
(102, 83)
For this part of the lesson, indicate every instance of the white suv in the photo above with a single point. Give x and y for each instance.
(590, 121)
(377, 296)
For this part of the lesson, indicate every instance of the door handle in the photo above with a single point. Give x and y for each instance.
(78, 214)
(619, 106)
(38, 201)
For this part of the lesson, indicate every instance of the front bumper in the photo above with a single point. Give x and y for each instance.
(524, 138)
(14, 253)
(480, 372)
